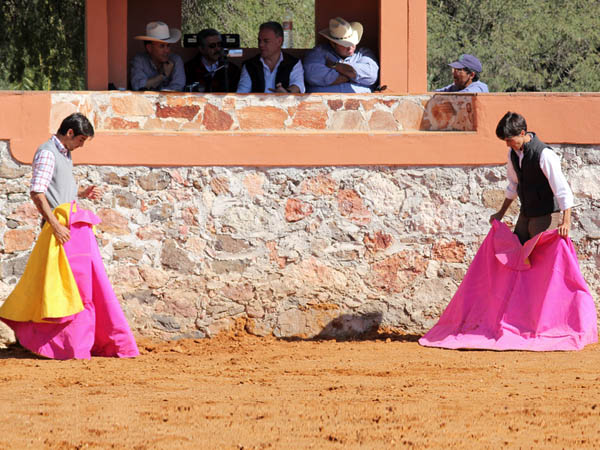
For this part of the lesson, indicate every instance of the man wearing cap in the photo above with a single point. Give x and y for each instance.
(465, 72)
(156, 68)
(338, 66)
(272, 70)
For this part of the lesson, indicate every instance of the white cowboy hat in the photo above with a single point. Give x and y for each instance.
(343, 32)
(160, 32)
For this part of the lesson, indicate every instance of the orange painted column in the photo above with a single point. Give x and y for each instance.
(417, 47)
(96, 33)
(117, 43)
(403, 46)
(393, 45)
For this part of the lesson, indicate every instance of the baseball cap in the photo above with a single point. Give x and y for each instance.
(467, 62)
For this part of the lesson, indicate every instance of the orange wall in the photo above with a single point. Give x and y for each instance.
(117, 43)
(97, 62)
(558, 118)
(403, 46)
(24, 121)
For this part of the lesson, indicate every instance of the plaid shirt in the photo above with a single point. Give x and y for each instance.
(43, 167)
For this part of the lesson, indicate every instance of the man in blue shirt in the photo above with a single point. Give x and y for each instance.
(465, 72)
(157, 68)
(339, 66)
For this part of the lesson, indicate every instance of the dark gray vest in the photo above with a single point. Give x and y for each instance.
(62, 188)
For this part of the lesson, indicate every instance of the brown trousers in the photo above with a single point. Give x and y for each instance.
(527, 227)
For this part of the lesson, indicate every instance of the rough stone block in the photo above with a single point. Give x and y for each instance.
(215, 119)
(254, 184)
(112, 222)
(175, 258)
(132, 105)
(409, 115)
(296, 210)
(311, 115)
(18, 240)
(452, 251)
(187, 112)
(351, 206)
(262, 118)
(319, 185)
(382, 121)
(347, 121)
(156, 180)
(116, 123)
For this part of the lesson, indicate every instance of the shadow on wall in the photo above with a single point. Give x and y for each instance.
(356, 327)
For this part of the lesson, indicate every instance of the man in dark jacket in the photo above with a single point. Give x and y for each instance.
(535, 176)
(210, 68)
(271, 70)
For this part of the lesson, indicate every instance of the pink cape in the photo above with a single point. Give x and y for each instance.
(101, 329)
(519, 297)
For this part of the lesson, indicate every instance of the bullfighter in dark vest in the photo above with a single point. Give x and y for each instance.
(272, 70)
(535, 176)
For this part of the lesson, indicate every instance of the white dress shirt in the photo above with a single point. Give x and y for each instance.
(550, 165)
(296, 77)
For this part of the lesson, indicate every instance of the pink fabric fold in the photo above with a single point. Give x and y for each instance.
(101, 329)
(519, 297)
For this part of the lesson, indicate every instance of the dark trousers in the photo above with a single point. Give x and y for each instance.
(527, 227)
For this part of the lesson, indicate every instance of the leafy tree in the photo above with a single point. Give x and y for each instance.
(524, 45)
(43, 45)
(244, 17)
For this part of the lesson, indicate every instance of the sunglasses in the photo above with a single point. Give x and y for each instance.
(214, 45)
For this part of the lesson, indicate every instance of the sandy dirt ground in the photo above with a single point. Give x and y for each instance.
(246, 392)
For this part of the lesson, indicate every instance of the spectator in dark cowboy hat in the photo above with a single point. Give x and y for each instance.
(157, 68)
(465, 72)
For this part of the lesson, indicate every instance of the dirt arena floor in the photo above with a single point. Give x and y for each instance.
(246, 392)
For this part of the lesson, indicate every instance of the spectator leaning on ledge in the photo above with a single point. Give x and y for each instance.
(272, 70)
(210, 68)
(339, 66)
(465, 72)
(156, 68)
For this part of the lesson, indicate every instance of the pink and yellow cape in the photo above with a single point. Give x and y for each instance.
(64, 306)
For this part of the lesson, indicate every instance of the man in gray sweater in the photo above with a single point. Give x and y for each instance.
(52, 183)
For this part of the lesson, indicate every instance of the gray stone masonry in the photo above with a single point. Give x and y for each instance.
(330, 251)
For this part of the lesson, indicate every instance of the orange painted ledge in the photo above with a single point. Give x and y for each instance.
(558, 118)
(287, 149)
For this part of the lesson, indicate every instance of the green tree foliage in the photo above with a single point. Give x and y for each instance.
(244, 17)
(524, 45)
(42, 44)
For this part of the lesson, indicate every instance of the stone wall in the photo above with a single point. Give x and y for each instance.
(332, 251)
(172, 112)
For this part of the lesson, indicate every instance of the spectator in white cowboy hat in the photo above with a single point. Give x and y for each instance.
(157, 68)
(465, 73)
(339, 66)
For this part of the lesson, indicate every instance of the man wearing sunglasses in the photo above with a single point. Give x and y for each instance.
(209, 70)
(465, 73)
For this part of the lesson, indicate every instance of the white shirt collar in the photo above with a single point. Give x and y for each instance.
(276, 65)
(59, 145)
